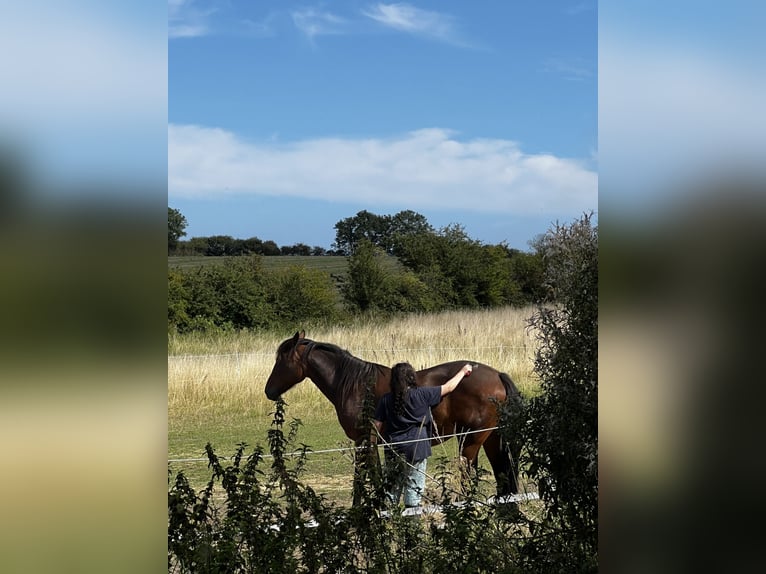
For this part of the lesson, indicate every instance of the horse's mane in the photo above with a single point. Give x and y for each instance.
(351, 373)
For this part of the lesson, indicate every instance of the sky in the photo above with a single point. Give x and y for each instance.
(681, 93)
(287, 117)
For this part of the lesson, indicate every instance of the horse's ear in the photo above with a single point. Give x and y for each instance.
(299, 335)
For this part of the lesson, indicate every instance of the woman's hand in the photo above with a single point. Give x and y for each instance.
(450, 385)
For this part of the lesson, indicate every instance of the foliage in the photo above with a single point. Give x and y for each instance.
(297, 294)
(435, 272)
(428, 271)
(176, 228)
(372, 285)
(384, 231)
(262, 527)
(366, 277)
(239, 294)
(177, 299)
(459, 271)
(269, 521)
(561, 423)
(226, 245)
(405, 293)
(526, 283)
(402, 225)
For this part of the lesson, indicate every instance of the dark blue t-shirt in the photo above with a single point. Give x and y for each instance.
(414, 423)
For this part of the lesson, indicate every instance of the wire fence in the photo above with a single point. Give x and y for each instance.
(501, 348)
(523, 496)
(302, 452)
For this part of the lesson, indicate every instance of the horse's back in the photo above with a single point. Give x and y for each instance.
(484, 380)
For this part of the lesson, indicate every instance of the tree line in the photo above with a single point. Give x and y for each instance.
(433, 270)
(226, 245)
(384, 231)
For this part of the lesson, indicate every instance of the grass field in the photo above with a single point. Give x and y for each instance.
(333, 264)
(216, 383)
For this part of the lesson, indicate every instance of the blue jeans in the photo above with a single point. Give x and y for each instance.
(412, 481)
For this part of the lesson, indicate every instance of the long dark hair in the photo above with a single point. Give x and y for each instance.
(402, 380)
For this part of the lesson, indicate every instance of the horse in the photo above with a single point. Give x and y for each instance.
(346, 380)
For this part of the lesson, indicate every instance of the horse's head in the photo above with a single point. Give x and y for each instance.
(288, 368)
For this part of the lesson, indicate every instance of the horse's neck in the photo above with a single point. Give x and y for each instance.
(332, 374)
(322, 374)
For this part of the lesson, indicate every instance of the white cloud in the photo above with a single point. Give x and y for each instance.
(671, 114)
(317, 23)
(424, 168)
(187, 20)
(416, 21)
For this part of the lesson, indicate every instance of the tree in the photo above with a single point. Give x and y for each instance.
(252, 246)
(561, 428)
(350, 231)
(403, 224)
(526, 276)
(219, 245)
(176, 228)
(296, 249)
(270, 248)
(460, 271)
(384, 231)
(366, 277)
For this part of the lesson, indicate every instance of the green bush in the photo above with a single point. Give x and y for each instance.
(404, 292)
(373, 287)
(231, 295)
(269, 521)
(240, 294)
(297, 294)
(364, 289)
(461, 272)
(561, 424)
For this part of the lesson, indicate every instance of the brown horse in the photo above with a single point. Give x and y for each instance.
(345, 381)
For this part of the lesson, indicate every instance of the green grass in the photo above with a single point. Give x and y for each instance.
(328, 472)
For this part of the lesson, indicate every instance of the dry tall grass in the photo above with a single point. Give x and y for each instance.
(227, 373)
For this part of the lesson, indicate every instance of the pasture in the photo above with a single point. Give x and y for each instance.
(216, 384)
(336, 265)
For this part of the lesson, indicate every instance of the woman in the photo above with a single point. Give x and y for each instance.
(404, 416)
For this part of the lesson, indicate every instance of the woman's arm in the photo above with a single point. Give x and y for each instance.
(452, 384)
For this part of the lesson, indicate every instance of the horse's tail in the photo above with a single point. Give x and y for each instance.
(510, 439)
(511, 392)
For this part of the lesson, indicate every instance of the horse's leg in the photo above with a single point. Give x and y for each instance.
(358, 480)
(469, 450)
(504, 461)
(505, 466)
(366, 463)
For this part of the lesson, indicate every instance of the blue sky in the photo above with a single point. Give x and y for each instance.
(504, 87)
(681, 93)
(286, 117)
